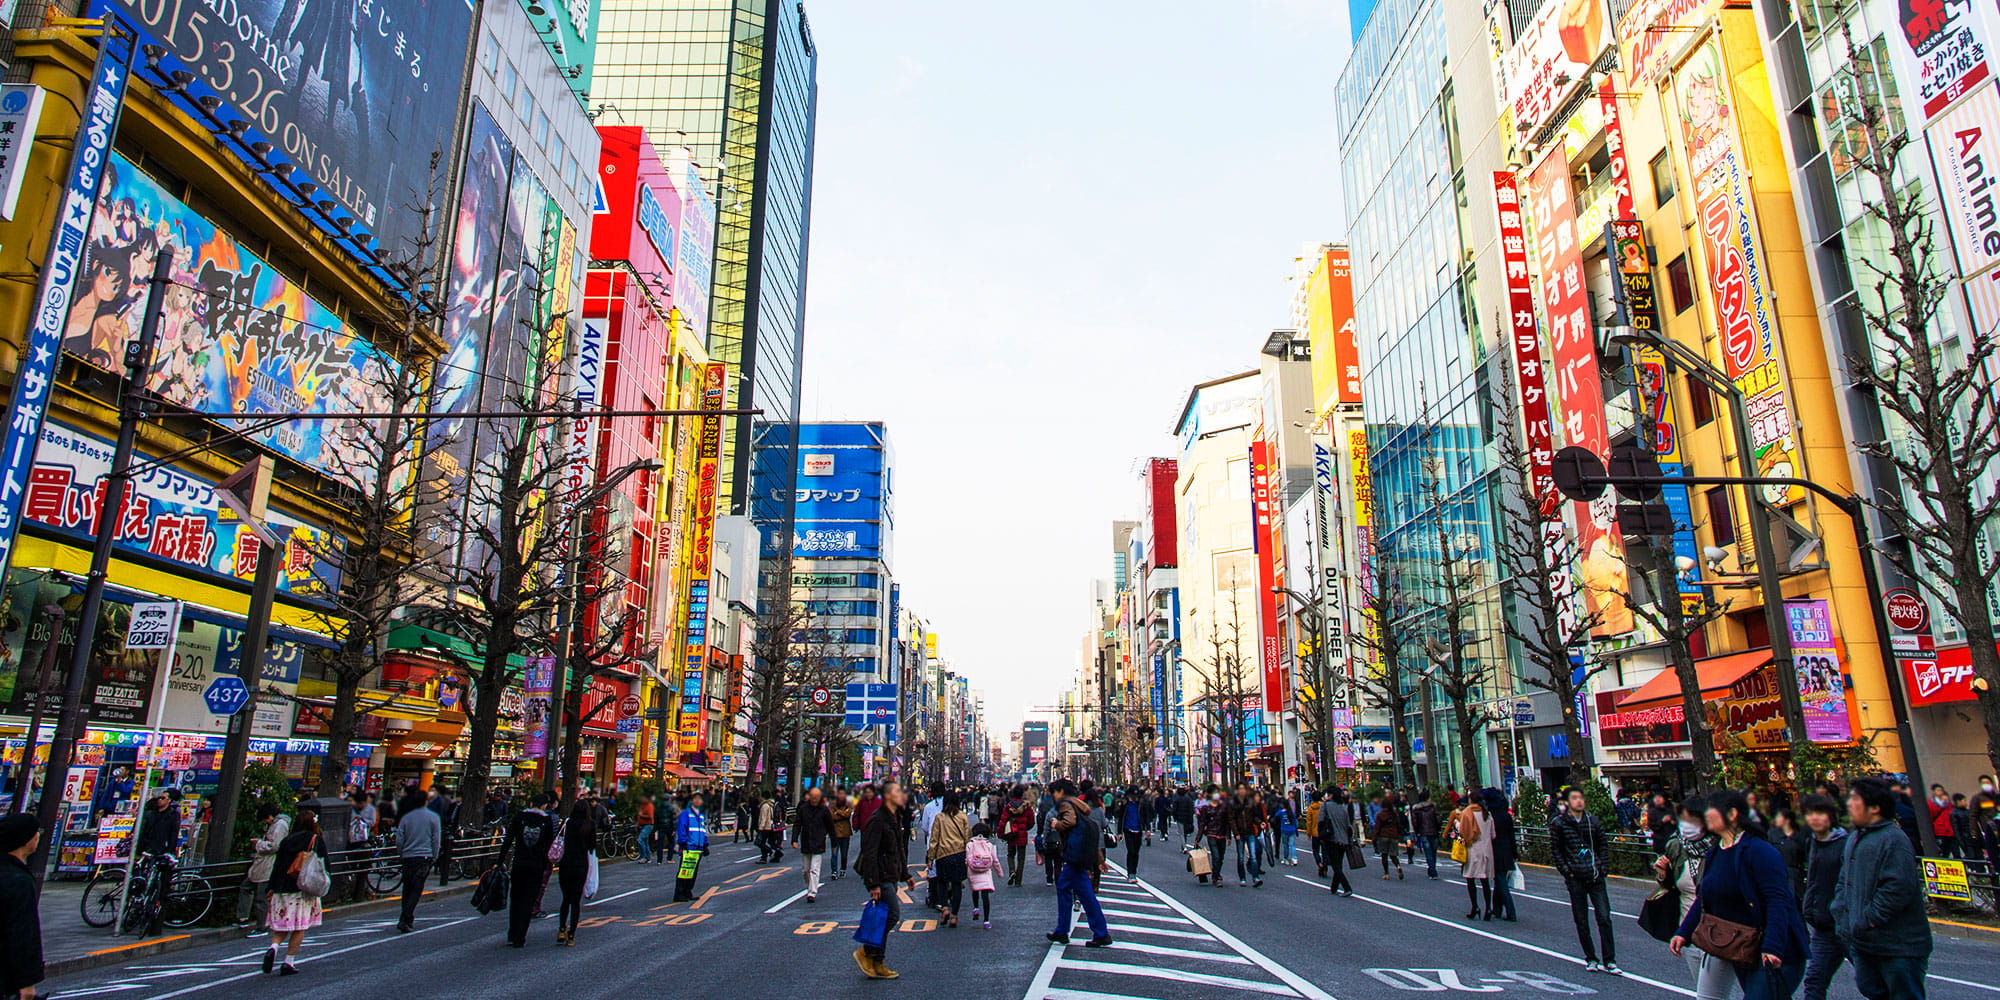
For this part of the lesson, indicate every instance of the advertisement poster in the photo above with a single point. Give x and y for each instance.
(332, 85)
(1946, 880)
(206, 652)
(235, 335)
(1336, 360)
(1263, 532)
(1965, 149)
(538, 681)
(1822, 686)
(1579, 391)
(1551, 55)
(114, 840)
(1942, 51)
(697, 251)
(1720, 188)
(168, 516)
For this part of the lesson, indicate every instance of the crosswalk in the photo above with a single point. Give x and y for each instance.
(1160, 950)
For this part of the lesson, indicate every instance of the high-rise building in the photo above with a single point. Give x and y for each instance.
(735, 82)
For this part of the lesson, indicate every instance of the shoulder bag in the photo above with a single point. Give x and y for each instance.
(310, 871)
(556, 845)
(1738, 944)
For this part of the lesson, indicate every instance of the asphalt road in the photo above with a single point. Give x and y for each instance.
(751, 934)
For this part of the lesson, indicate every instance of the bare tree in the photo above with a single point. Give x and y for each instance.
(1676, 621)
(1938, 385)
(601, 644)
(1448, 604)
(1538, 561)
(1227, 684)
(1386, 636)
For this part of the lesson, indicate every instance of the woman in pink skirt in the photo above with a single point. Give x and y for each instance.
(293, 912)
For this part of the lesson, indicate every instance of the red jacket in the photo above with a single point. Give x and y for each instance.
(1018, 819)
(864, 809)
(1940, 818)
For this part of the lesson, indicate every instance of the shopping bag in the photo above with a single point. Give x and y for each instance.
(874, 926)
(1516, 882)
(590, 880)
(1198, 862)
(309, 870)
(1356, 859)
(1458, 851)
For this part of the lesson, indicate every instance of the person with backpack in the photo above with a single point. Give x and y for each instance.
(294, 909)
(1078, 839)
(1134, 816)
(526, 855)
(981, 859)
(1285, 823)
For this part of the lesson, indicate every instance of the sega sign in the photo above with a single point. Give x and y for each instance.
(659, 226)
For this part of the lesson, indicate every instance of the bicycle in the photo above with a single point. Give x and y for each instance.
(162, 895)
(384, 874)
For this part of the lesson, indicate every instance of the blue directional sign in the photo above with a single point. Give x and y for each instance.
(870, 705)
(225, 695)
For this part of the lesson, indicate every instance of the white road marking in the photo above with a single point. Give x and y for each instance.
(787, 901)
(1109, 912)
(1087, 995)
(1134, 902)
(1154, 949)
(1669, 987)
(1176, 975)
(1962, 982)
(1547, 899)
(621, 895)
(1039, 987)
(308, 958)
(1304, 988)
(1157, 931)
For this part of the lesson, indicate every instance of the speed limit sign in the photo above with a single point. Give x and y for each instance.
(821, 697)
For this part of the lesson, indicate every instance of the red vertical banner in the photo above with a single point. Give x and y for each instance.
(1263, 532)
(1529, 378)
(1614, 147)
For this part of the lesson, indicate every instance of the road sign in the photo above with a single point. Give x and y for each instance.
(225, 695)
(1578, 473)
(154, 625)
(870, 705)
(821, 697)
(1524, 713)
(1906, 611)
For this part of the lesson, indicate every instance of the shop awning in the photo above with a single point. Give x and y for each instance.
(1717, 675)
(682, 771)
(403, 705)
(203, 601)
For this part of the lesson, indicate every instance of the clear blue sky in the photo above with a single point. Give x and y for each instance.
(1035, 226)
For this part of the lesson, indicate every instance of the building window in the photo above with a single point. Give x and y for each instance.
(1680, 284)
(1721, 520)
(1663, 179)
(1701, 402)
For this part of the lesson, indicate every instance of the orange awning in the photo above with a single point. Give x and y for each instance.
(1717, 673)
(681, 771)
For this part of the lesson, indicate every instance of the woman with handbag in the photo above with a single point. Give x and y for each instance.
(579, 847)
(1336, 830)
(1744, 913)
(1475, 835)
(1679, 869)
(298, 880)
(946, 850)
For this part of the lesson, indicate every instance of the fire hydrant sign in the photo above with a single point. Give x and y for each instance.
(154, 625)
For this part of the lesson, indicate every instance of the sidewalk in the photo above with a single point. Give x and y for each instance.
(69, 945)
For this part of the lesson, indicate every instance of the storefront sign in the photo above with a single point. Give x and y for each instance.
(20, 115)
(1943, 50)
(1263, 528)
(1946, 880)
(114, 840)
(1965, 149)
(1653, 32)
(1822, 683)
(1752, 712)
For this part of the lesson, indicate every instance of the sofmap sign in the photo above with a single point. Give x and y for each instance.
(333, 85)
(37, 364)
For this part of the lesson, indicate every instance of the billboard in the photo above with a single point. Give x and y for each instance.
(696, 262)
(1336, 360)
(637, 217)
(1942, 51)
(1551, 56)
(1965, 149)
(1823, 684)
(708, 469)
(843, 499)
(235, 335)
(570, 35)
(336, 88)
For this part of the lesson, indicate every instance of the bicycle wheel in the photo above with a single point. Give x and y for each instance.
(385, 878)
(188, 900)
(142, 909)
(100, 897)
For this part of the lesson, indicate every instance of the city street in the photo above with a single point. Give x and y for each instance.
(751, 934)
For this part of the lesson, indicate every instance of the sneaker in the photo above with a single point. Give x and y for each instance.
(812, 899)
(1048, 881)
(1399, 874)
(1593, 966)
(1612, 968)
(988, 925)
(1240, 883)
(1055, 938)
(1258, 884)
(975, 913)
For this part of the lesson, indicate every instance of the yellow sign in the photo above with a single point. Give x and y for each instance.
(930, 645)
(1946, 880)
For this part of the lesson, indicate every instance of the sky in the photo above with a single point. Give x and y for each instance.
(1035, 227)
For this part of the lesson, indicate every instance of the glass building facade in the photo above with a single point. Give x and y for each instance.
(735, 82)
(1428, 374)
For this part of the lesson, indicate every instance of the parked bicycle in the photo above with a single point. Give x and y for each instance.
(159, 895)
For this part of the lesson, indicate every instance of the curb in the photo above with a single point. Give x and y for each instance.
(120, 954)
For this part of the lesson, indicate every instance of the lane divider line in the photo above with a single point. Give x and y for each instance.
(1290, 978)
(788, 900)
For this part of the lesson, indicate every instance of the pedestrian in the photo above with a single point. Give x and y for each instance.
(1163, 810)
(1745, 882)
(1582, 856)
(1213, 821)
(1785, 835)
(1286, 822)
(1081, 842)
(1017, 825)
(842, 811)
(945, 851)
(579, 839)
(1506, 851)
(1937, 812)
(1906, 813)
(1679, 867)
(981, 859)
(1388, 834)
(1826, 848)
(253, 899)
(643, 819)
(1879, 902)
(20, 910)
(1660, 822)
(1336, 831)
(882, 863)
(746, 815)
(418, 833)
(293, 910)
(1134, 817)
(1184, 814)
(526, 853)
(160, 834)
(770, 846)
(812, 830)
(691, 833)
(1424, 826)
(1475, 831)
(1246, 829)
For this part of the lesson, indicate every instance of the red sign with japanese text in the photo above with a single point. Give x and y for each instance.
(1264, 520)
(708, 470)
(1528, 370)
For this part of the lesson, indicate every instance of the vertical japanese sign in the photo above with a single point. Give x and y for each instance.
(1638, 308)
(586, 384)
(1578, 387)
(1822, 685)
(1333, 605)
(20, 115)
(1362, 490)
(538, 685)
(708, 459)
(1346, 354)
(1942, 51)
(1270, 652)
(1723, 210)
(1614, 149)
(1527, 343)
(89, 154)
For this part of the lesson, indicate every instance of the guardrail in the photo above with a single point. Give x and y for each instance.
(1632, 855)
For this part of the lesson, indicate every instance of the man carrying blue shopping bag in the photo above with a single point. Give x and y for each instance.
(882, 863)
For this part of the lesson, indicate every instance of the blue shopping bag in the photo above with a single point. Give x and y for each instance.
(874, 929)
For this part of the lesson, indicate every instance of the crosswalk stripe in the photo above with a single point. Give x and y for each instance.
(1154, 949)
(1150, 906)
(1086, 995)
(1225, 982)
(1158, 932)
(1144, 916)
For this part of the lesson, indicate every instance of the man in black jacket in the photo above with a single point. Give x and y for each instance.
(883, 862)
(526, 851)
(161, 831)
(20, 917)
(1582, 856)
(812, 827)
(1824, 851)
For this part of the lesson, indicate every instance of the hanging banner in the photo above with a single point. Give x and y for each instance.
(538, 685)
(36, 373)
(1528, 368)
(1941, 52)
(1965, 149)
(1822, 684)
(1263, 509)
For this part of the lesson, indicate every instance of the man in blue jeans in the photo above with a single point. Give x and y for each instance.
(1424, 825)
(1879, 902)
(1082, 844)
(1247, 820)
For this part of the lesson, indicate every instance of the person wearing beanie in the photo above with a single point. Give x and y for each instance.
(20, 917)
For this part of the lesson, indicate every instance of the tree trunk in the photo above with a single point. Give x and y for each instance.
(487, 688)
(1572, 733)
(572, 743)
(1468, 748)
(1700, 741)
(1977, 622)
(339, 736)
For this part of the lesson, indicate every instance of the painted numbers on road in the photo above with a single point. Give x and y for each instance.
(1447, 980)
